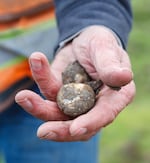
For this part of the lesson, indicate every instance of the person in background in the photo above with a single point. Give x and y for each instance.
(93, 32)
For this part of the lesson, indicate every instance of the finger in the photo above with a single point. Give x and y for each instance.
(45, 79)
(59, 131)
(62, 59)
(109, 104)
(38, 107)
(99, 53)
(113, 68)
(125, 60)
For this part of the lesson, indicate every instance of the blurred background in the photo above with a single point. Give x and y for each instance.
(127, 139)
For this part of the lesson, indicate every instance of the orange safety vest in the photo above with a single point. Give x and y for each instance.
(16, 13)
(22, 14)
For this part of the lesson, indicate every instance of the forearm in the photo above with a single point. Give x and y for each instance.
(73, 16)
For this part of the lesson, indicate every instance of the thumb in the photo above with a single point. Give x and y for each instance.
(111, 62)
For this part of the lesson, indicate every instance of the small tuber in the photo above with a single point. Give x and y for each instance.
(78, 94)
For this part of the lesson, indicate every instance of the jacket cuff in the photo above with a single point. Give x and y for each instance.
(73, 16)
(66, 41)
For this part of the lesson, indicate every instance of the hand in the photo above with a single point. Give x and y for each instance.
(99, 53)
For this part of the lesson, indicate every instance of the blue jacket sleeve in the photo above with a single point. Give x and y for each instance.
(75, 15)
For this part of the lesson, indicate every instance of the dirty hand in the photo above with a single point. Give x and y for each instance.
(98, 52)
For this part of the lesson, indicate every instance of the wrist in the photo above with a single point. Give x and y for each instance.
(69, 39)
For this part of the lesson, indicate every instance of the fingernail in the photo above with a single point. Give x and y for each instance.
(26, 104)
(79, 132)
(36, 64)
(50, 135)
(115, 88)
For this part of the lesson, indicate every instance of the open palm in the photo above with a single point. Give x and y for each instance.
(98, 52)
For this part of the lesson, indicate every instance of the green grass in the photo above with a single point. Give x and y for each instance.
(1, 158)
(126, 140)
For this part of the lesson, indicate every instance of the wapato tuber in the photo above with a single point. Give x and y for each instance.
(78, 93)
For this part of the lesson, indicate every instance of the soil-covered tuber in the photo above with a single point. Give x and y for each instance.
(78, 94)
